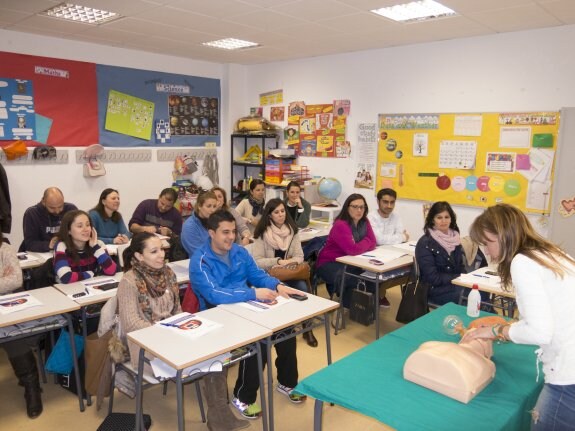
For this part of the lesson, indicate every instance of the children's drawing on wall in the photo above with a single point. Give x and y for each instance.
(308, 148)
(342, 149)
(257, 111)
(277, 113)
(365, 176)
(567, 207)
(409, 121)
(16, 109)
(420, 142)
(341, 107)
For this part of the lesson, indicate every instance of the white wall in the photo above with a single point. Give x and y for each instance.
(507, 72)
(135, 181)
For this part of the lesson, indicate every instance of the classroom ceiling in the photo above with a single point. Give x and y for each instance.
(285, 29)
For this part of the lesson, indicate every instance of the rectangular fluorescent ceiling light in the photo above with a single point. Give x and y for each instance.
(415, 11)
(83, 14)
(231, 44)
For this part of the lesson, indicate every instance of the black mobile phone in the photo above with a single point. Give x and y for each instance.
(491, 273)
(78, 295)
(107, 286)
(297, 296)
(375, 262)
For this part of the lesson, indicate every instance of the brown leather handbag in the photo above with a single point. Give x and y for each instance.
(292, 271)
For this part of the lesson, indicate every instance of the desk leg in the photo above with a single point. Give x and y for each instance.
(340, 309)
(377, 284)
(180, 400)
(317, 415)
(269, 344)
(327, 337)
(85, 335)
(75, 359)
(139, 395)
(262, 387)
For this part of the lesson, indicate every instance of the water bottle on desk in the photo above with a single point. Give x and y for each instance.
(473, 302)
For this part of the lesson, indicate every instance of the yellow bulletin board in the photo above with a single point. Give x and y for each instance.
(470, 159)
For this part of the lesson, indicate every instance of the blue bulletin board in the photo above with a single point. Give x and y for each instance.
(179, 110)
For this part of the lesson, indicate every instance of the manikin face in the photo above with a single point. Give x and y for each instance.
(208, 208)
(386, 205)
(492, 247)
(258, 192)
(293, 194)
(111, 202)
(356, 210)
(80, 231)
(223, 237)
(153, 255)
(278, 215)
(441, 221)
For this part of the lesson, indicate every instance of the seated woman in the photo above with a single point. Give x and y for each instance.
(252, 207)
(243, 233)
(148, 293)
(19, 352)
(277, 244)
(78, 254)
(298, 208)
(194, 230)
(350, 235)
(439, 254)
(107, 220)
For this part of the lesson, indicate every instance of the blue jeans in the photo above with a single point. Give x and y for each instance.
(555, 409)
(300, 285)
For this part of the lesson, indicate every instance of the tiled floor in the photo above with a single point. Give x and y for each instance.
(61, 407)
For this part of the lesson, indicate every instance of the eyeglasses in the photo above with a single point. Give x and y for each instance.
(357, 207)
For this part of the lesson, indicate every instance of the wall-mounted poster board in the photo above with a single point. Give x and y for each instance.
(470, 159)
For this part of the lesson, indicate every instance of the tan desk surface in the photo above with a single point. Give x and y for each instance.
(484, 287)
(53, 302)
(181, 352)
(39, 259)
(363, 263)
(287, 315)
(69, 289)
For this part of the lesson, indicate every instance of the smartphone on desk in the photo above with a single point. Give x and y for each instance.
(491, 273)
(297, 296)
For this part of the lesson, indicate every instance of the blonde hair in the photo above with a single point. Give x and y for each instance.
(516, 236)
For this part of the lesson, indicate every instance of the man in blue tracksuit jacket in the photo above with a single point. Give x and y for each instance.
(221, 272)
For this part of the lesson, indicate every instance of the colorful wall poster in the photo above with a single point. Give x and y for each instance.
(193, 115)
(129, 115)
(17, 118)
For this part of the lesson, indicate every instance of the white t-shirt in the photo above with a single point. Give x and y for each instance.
(387, 231)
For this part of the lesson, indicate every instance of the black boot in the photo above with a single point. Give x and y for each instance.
(25, 369)
(308, 336)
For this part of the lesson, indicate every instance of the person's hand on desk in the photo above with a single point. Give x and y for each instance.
(264, 294)
(166, 231)
(121, 239)
(285, 291)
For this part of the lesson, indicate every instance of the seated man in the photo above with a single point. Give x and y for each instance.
(387, 225)
(221, 272)
(157, 215)
(42, 221)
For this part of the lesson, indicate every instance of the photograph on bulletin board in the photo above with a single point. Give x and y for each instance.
(470, 159)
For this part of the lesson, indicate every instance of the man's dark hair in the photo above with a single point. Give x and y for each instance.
(218, 217)
(170, 193)
(389, 192)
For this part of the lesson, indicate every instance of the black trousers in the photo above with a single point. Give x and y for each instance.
(247, 384)
(332, 272)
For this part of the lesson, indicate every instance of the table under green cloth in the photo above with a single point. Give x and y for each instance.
(370, 381)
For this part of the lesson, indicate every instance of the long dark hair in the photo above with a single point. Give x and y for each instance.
(99, 208)
(266, 219)
(516, 236)
(224, 194)
(344, 213)
(64, 234)
(201, 200)
(137, 245)
(436, 208)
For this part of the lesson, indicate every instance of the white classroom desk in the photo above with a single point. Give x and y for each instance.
(53, 303)
(181, 269)
(490, 284)
(285, 316)
(181, 352)
(35, 260)
(361, 262)
(313, 230)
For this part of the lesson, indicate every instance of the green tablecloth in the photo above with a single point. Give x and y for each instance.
(371, 382)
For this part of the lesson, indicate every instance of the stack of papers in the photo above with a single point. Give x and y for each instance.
(189, 325)
(259, 307)
(383, 254)
(480, 276)
(407, 246)
(17, 302)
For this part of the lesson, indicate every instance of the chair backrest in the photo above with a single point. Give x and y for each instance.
(121, 249)
(42, 276)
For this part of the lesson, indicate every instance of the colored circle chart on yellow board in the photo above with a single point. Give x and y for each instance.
(473, 159)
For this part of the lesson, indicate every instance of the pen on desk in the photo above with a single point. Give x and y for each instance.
(478, 275)
(168, 324)
(368, 255)
(255, 304)
(87, 291)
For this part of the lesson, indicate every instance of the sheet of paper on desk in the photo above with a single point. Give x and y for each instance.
(17, 302)
(181, 271)
(112, 249)
(407, 246)
(309, 230)
(479, 276)
(164, 371)
(259, 307)
(189, 325)
(383, 254)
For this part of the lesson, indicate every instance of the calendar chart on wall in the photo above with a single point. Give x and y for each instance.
(475, 159)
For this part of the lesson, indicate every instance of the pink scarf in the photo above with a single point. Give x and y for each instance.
(448, 240)
(278, 237)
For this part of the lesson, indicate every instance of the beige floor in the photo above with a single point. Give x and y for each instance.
(61, 407)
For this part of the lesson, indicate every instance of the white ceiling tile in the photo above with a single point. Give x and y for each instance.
(563, 10)
(312, 10)
(515, 18)
(266, 20)
(123, 7)
(30, 6)
(359, 22)
(467, 6)
(216, 9)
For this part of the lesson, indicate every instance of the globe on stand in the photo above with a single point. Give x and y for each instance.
(453, 325)
(329, 189)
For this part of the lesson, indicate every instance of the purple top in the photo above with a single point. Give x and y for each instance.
(148, 214)
(340, 243)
